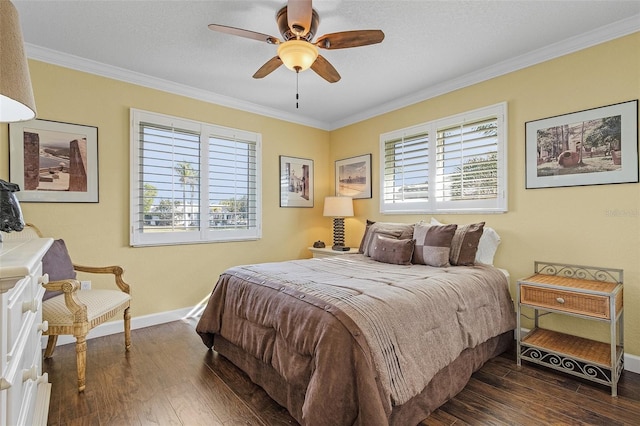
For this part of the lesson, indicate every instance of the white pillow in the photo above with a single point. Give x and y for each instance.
(487, 246)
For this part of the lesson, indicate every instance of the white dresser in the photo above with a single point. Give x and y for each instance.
(24, 390)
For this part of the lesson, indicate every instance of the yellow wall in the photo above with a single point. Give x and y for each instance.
(570, 225)
(171, 277)
(557, 224)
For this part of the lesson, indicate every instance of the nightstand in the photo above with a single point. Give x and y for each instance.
(582, 291)
(328, 252)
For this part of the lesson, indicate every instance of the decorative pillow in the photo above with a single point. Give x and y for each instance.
(433, 244)
(464, 245)
(400, 231)
(390, 250)
(364, 236)
(57, 263)
(487, 246)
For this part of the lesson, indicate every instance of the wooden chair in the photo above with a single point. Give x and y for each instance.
(75, 312)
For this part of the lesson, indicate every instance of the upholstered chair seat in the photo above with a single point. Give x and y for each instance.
(101, 306)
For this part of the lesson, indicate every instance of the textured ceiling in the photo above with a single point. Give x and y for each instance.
(430, 47)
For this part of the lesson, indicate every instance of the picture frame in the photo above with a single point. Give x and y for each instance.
(590, 147)
(53, 161)
(353, 177)
(296, 182)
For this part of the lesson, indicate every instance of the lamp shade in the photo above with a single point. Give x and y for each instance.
(16, 94)
(338, 206)
(297, 55)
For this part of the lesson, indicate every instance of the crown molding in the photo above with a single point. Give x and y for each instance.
(600, 35)
(77, 63)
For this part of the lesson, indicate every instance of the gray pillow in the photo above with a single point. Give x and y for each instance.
(390, 250)
(464, 245)
(400, 231)
(364, 236)
(57, 263)
(433, 244)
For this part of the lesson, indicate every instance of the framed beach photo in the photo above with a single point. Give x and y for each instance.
(590, 147)
(53, 161)
(296, 182)
(353, 177)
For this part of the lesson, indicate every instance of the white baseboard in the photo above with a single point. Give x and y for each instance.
(631, 362)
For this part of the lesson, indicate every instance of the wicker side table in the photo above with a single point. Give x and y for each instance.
(582, 291)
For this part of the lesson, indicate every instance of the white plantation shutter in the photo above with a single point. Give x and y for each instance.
(233, 185)
(192, 182)
(405, 170)
(163, 151)
(462, 168)
(467, 166)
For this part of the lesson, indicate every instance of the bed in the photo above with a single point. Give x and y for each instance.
(356, 340)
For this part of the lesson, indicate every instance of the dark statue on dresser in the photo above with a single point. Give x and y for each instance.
(10, 212)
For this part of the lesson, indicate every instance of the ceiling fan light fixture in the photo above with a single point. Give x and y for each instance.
(297, 55)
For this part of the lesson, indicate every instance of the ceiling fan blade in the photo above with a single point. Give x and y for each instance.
(324, 69)
(244, 33)
(299, 14)
(346, 39)
(270, 66)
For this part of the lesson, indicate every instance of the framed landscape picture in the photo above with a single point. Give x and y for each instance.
(353, 177)
(53, 161)
(590, 147)
(296, 182)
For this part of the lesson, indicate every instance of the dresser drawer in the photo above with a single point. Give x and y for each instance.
(24, 390)
(29, 392)
(17, 309)
(567, 301)
(23, 370)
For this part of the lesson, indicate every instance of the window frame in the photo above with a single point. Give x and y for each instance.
(498, 204)
(204, 233)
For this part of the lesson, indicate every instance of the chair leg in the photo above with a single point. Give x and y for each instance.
(127, 329)
(51, 345)
(81, 361)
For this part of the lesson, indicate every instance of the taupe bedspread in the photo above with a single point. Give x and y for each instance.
(356, 336)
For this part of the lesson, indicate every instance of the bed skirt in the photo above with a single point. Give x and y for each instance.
(444, 385)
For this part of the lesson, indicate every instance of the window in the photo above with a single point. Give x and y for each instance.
(192, 182)
(452, 165)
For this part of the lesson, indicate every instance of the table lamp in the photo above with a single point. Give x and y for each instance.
(338, 208)
(16, 93)
(16, 103)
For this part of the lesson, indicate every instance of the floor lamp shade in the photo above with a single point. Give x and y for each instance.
(338, 208)
(16, 95)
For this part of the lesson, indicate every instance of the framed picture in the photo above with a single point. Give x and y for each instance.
(353, 177)
(591, 147)
(296, 182)
(53, 161)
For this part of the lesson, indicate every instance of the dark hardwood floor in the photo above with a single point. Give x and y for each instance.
(170, 378)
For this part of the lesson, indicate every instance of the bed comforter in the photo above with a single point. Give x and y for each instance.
(352, 337)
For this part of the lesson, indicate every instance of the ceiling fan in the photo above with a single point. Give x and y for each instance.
(298, 22)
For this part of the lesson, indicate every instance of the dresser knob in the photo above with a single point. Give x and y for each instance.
(44, 279)
(43, 379)
(560, 300)
(30, 374)
(31, 305)
(44, 326)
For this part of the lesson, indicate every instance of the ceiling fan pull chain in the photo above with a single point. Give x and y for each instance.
(297, 91)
